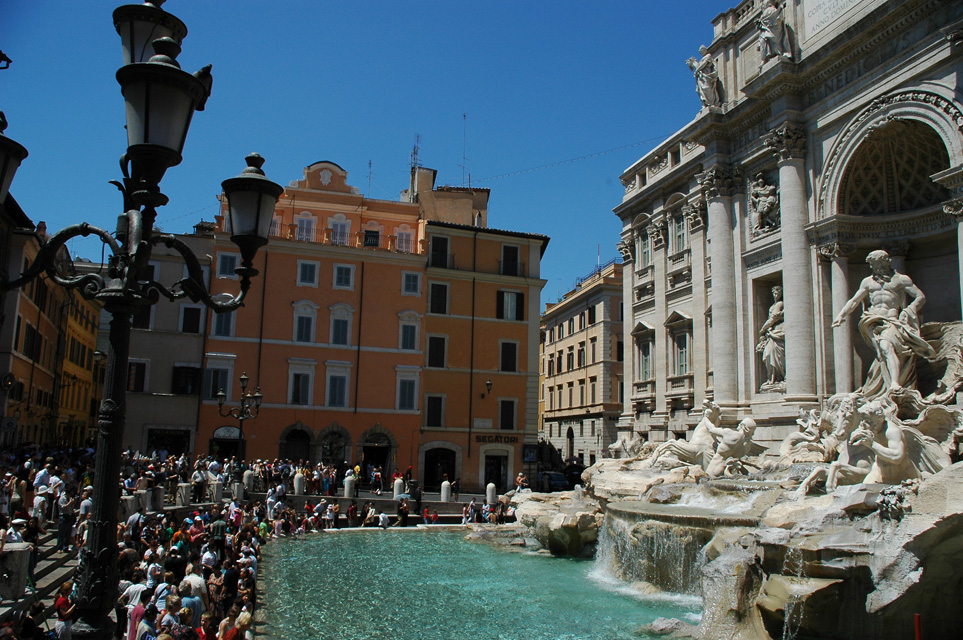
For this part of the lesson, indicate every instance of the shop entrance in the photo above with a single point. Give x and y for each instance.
(296, 446)
(496, 470)
(376, 451)
(226, 442)
(173, 441)
(438, 463)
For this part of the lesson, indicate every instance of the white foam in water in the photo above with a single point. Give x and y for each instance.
(600, 576)
(734, 503)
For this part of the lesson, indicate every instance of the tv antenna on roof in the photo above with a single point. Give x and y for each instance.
(464, 148)
(414, 151)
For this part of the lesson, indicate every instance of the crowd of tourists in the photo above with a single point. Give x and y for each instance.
(194, 577)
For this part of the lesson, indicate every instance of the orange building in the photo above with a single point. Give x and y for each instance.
(373, 329)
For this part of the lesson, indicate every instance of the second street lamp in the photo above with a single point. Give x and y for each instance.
(247, 410)
(160, 101)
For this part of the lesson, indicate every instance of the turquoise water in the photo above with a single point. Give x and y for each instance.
(432, 585)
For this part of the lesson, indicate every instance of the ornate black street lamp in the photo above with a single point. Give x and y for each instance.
(248, 409)
(160, 101)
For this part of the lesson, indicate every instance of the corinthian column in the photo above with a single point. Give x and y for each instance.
(717, 185)
(788, 142)
(838, 255)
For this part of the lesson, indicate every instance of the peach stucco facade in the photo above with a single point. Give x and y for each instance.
(372, 329)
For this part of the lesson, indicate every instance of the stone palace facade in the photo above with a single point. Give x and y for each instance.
(828, 129)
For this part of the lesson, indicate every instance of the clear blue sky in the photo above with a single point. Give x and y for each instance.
(352, 82)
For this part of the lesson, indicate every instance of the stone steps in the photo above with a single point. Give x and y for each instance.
(52, 570)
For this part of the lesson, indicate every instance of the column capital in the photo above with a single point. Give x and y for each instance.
(627, 248)
(954, 208)
(835, 251)
(787, 141)
(695, 214)
(717, 181)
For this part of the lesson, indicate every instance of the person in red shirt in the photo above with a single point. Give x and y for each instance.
(241, 625)
(65, 611)
(207, 630)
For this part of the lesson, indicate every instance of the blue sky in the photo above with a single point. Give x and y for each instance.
(541, 83)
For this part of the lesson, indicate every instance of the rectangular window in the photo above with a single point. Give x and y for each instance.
(137, 377)
(186, 380)
(439, 298)
(305, 229)
(645, 250)
(593, 397)
(339, 331)
(581, 354)
(304, 331)
(406, 394)
(410, 283)
(409, 337)
(214, 380)
(506, 414)
(190, 319)
(436, 351)
(571, 394)
(619, 351)
(678, 234)
(509, 356)
(510, 263)
(551, 334)
(300, 388)
(561, 331)
(591, 315)
(337, 391)
(593, 348)
(307, 273)
(372, 238)
(645, 360)
(581, 321)
(551, 366)
(571, 326)
(439, 256)
(339, 233)
(224, 324)
(681, 354)
(343, 276)
(226, 264)
(510, 305)
(581, 393)
(434, 411)
(570, 359)
(405, 242)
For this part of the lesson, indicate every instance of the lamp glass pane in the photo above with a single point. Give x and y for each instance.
(267, 215)
(137, 38)
(157, 114)
(243, 208)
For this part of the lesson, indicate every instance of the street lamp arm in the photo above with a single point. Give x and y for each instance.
(193, 285)
(46, 260)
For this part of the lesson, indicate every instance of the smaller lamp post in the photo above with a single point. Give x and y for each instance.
(248, 409)
(488, 388)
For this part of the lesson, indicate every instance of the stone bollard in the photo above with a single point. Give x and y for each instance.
(349, 483)
(128, 506)
(144, 500)
(183, 494)
(446, 491)
(399, 488)
(158, 494)
(14, 563)
(248, 481)
(490, 493)
(298, 484)
(216, 490)
(237, 490)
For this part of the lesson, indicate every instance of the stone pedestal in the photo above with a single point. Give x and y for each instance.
(157, 499)
(398, 488)
(216, 491)
(14, 562)
(237, 491)
(128, 506)
(491, 493)
(183, 494)
(298, 484)
(249, 481)
(349, 483)
(144, 499)
(446, 491)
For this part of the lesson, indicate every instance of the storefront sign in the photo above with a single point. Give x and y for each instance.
(227, 433)
(497, 439)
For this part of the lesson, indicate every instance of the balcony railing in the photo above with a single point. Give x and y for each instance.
(512, 268)
(442, 260)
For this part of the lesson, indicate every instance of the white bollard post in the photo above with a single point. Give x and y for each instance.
(183, 494)
(249, 481)
(298, 484)
(446, 491)
(399, 488)
(490, 493)
(349, 486)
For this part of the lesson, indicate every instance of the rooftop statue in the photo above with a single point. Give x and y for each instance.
(889, 326)
(773, 32)
(707, 78)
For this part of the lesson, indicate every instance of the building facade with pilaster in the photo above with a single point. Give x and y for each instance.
(835, 132)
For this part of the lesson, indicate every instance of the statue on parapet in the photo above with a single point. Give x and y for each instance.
(889, 326)
(708, 85)
(697, 451)
(773, 32)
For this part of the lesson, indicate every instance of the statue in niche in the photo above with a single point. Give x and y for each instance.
(708, 84)
(773, 32)
(699, 449)
(734, 445)
(772, 344)
(763, 206)
(890, 327)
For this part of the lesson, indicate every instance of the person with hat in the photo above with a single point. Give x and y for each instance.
(39, 510)
(14, 533)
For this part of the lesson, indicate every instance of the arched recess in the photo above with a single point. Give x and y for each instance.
(437, 458)
(333, 445)
(379, 447)
(924, 106)
(295, 442)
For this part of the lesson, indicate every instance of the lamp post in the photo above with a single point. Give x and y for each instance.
(160, 101)
(248, 409)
